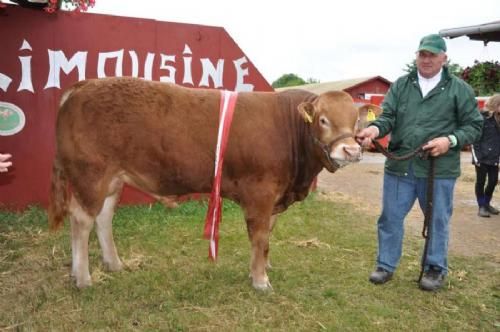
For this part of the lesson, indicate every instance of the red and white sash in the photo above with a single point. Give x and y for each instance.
(227, 103)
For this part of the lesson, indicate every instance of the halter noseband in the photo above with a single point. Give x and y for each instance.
(327, 147)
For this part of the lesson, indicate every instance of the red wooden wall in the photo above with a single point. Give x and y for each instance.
(370, 87)
(42, 54)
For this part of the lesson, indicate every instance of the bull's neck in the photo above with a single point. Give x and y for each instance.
(309, 164)
(306, 164)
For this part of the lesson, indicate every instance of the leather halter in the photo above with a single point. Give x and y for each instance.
(327, 147)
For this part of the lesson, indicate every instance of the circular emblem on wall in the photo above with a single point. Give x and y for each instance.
(12, 119)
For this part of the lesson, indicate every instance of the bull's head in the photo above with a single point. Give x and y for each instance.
(333, 118)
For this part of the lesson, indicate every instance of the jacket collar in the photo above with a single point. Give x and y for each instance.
(445, 77)
(445, 74)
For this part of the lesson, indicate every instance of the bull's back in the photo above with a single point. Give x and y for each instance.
(109, 111)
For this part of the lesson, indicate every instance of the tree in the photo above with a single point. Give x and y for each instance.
(311, 80)
(288, 80)
(484, 77)
(454, 68)
(292, 80)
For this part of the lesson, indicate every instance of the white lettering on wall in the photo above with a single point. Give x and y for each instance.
(58, 61)
(171, 69)
(240, 75)
(209, 71)
(188, 77)
(135, 63)
(148, 66)
(26, 83)
(4, 82)
(212, 71)
(105, 56)
(25, 45)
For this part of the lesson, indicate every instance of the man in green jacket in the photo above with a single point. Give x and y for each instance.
(432, 107)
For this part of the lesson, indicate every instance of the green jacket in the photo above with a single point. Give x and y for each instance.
(449, 108)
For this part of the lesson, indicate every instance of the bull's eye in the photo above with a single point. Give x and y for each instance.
(323, 121)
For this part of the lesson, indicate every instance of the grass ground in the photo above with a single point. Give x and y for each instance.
(321, 253)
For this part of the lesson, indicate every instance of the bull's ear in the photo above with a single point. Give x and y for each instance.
(306, 110)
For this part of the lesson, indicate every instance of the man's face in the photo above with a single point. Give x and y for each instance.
(429, 64)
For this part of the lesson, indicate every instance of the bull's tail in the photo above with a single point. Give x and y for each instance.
(58, 197)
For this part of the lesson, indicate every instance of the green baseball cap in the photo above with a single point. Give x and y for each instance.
(432, 43)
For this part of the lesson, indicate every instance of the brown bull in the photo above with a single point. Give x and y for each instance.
(161, 138)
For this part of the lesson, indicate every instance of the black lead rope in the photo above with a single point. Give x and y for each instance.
(427, 227)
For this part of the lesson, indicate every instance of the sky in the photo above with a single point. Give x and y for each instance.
(328, 40)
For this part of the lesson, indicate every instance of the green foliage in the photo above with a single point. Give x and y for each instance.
(484, 77)
(321, 252)
(410, 67)
(311, 80)
(453, 68)
(292, 80)
(288, 80)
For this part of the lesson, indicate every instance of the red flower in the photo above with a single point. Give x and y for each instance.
(49, 10)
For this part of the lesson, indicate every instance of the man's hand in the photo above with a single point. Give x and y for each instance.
(365, 136)
(437, 146)
(4, 164)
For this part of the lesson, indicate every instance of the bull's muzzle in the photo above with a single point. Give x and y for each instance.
(352, 152)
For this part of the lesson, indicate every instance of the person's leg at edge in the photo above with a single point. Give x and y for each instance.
(479, 189)
(399, 195)
(491, 183)
(436, 262)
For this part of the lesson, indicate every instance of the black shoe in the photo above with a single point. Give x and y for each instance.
(483, 212)
(380, 276)
(432, 280)
(492, 210)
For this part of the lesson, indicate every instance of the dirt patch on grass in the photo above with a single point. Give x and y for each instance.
(470, 235)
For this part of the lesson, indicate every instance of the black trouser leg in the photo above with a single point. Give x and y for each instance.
(481, 173)
(492, 171)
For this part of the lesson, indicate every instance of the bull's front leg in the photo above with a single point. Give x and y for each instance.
(258, 232)
(272, 223)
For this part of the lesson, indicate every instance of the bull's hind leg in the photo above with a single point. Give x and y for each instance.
(104, 228)
(81, 225)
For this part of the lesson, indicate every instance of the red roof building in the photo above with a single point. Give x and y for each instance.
(358, 88)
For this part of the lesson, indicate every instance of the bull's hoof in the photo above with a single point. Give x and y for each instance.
(83, 282)
(169, 202)
(262, 286)
(82, 279)
(113, 266)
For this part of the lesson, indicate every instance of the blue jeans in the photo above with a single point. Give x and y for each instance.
(399, 195)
